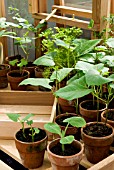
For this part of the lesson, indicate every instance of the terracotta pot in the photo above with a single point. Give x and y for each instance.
(31, 153)
(65, 162)
(103, 119)
(14, 81)
(90, 115)
(70, 130)
(30, 67)
(66, 106)
(96, 148)
(4, 69)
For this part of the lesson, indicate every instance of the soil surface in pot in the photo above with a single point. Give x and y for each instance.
(19, 57)
(97, 130)
(37, 137)
(92, 106)
(69, 150)
(59, 121)
(16, 74)
(110, 115)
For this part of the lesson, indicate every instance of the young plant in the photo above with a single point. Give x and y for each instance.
(54, 128)
(16, 118)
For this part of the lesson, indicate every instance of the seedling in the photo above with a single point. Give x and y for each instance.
(16, 118)
(54, 128)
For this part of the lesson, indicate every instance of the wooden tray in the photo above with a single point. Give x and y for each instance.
(41, 104)
(8, 146)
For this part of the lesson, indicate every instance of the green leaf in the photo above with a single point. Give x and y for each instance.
(93, 77)
(53, 128)
(45, 60)
(29, 122)
(61, 43)
(74, 90)
(13, 62)
(40, 25)
(28, 117)
(91, 24)
(67, 140)
(86, 47)
(23, 62)
(37, 82)
(76, 121)
(13, 116)
(60, 74)
(111, 85)
(37, 131)
(110, 42)
(84, 66)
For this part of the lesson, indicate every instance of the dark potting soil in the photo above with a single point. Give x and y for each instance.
(19, 57)
(37, 137)
(92, 106)
(59, 121)
(69, 150)
(97, 130)
(110, 115)
(17, 74)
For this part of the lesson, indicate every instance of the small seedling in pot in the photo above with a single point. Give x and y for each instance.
(54, 128)
(16, 118)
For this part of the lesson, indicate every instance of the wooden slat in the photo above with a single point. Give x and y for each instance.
(66, 21)
(112, 6)
(42, 5)
(39, 110)
(59, 2)
(76, 11)
(26, 98)
(106, 164)
(100, 9)
(33, 6)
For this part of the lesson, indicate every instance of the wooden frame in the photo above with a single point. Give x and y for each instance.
(59, 17)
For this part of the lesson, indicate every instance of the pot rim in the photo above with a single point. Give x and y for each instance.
(46, 137)
(100, 138)
(68, 157)
(80, 105)
(102, 115)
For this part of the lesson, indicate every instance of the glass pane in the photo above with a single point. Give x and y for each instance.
(84, 4)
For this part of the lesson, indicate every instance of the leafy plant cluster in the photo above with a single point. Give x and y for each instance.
(16, 118)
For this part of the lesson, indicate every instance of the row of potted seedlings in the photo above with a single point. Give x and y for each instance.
(92, 78)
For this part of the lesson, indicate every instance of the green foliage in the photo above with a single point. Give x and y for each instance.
(16, 118)
(54, 128)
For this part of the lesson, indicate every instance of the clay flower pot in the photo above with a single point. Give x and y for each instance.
(31, 153)
(14, 78)
(65, 162)
(4, 69)
(103, 118)
(96, 148)
(70, 130)
(90, 115)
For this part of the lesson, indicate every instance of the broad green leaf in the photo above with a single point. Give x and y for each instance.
(28, 116)
(13, 62)
(53, 128)
(86, 47)
(76, 121)
(74, 90)
(108, 59)
(23, 62)
(110, 42)
(84, 66)
(40, 25)
(60, 74)
(45, 60)
(61, 43)
(13, 116)
(93, 77)
(67, 140)
(111, 85)
(37, 82)
(91, 24)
